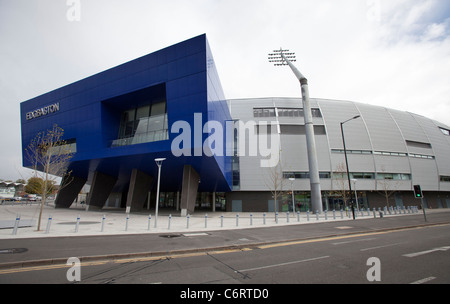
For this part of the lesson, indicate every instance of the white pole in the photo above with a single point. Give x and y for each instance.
(157, 194)
(356, 193)
(159, 164)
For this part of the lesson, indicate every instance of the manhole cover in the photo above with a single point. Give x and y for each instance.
(169, 236)
(13, 250)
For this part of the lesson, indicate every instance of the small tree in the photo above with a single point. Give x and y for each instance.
(387, 186)
(275, 182)
(340, 183)
(49, 156)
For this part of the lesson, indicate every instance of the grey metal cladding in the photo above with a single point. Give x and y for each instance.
(393, 141)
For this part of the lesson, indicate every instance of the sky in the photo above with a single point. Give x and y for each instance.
(391, 53)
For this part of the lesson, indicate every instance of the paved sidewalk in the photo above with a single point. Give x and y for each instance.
(116, 222)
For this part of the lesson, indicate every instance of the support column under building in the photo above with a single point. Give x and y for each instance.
(139, 190)
(102, 185)
(69, 189)
(189, 190)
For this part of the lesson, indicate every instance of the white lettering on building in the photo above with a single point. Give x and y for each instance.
(43, 111)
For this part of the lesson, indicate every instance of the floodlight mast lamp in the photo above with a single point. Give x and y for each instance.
(284, 57)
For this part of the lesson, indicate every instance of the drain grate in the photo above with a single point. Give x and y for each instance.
(13, 250)
(169, 236)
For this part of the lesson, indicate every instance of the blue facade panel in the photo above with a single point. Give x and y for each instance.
(90, 112)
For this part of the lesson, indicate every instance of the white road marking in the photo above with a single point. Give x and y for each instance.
(423, 280)
(352, 241)
(412, 255)
(284, 264)
(383, 246)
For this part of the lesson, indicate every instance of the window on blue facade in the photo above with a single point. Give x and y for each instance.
(144, 124)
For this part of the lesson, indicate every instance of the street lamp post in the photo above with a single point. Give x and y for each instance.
(293, 200)
(354, 180)
(346, 164)
(284, 57)
(159, 164)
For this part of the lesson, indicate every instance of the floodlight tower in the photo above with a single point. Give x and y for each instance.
(284, 57)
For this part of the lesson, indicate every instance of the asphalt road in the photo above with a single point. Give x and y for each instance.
(384, 251)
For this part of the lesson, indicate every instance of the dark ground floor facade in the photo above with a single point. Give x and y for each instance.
(263, 201)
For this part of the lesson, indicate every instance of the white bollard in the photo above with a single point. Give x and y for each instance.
(206, 220)
(149, 221)
(103, 222)
(126, 222)
(168, 224)
(16, 224)
(264, 218)
(187, 221)
(77, 224)
(237, 220)
(47, 230)
(221, 220)
(298, 216)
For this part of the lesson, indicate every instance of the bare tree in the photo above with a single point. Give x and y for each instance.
(340, 183)
(275, 182)
(49, 156)
(387, 186)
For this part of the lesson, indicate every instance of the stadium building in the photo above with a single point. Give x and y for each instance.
(229, 155)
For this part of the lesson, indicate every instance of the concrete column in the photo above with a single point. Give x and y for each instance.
(69, 189)
(189, 190)
(140, 184)
(102, 185)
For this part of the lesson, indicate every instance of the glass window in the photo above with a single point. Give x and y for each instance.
(264, 112)
(316, 113)
(445, 131)
(137, 126)
(129, 115)
(257, 112)
(142, 126)
(158, 108)
(142, 112)
(156, 123)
